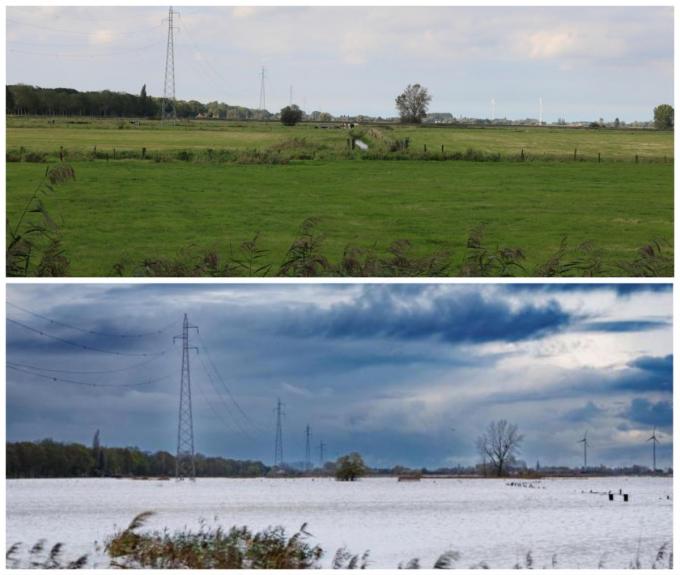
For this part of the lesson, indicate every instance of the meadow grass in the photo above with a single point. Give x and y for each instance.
(82, 135)
(132, 209)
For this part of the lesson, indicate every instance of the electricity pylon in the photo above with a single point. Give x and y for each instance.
(169, 85)
(185, 465)
(322, 446)
(263, 100)
(308, 447)
(278, 442)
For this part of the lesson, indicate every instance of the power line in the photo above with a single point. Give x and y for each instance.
(90, 331)
(80, 345)
(137, 32)
(226, 405)
(205, 63)
(226, 387)
(217, 414)
(88, 54)
(85, 383)
(88, 372)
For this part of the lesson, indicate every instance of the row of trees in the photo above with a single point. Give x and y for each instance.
(33, 100)
(49, 458)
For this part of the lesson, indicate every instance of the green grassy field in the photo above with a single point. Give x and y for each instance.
(82, 136)
(137, 209)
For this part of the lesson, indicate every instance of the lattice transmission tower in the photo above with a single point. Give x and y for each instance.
(185, 465)
(278, 442)
(169, 86)
(263, 100)
(322, 459)
(308, 448)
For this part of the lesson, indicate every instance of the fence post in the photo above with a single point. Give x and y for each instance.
(114, 153)
(143, 153)
(599, 159)
(442, 148)
(575, 154)
(424, 147)
(521, 156)
(636, 158)
(61, 153)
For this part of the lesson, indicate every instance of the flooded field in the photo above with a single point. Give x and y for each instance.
(570, 521)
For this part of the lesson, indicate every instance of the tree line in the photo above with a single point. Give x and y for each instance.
(22, 99)
(48, 458)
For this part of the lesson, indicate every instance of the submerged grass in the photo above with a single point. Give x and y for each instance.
(240, 548)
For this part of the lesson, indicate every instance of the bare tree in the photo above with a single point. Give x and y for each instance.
(412, 103)
(500, 443)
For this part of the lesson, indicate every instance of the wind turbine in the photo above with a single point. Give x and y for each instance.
(585, 449)
(654, 441)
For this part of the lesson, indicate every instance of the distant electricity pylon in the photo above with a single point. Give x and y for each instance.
(169, 86)
(322, 446)
(185, 465)
(585, 449)
(540, 111)
(308, 448)
(278, 443)
(654, 441)
(263, 100)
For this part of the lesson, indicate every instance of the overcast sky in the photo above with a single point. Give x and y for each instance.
(585, 63)
(402, 374)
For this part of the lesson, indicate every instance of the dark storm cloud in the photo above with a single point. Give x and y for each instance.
(622, 326)
(655, 376)
(647, 374)
(586, 413)
(467, 318)
(621, 290)
(651, 413)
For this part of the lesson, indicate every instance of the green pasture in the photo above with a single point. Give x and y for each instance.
(82, 135)
(133, 209)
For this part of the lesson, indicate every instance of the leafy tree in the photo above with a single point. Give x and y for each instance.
(412, 103)
(500, 443)
(291, 115)
(143, 101)
(663, 117)
(9, 101)
(350, 467)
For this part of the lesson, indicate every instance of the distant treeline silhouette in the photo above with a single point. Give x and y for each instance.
(48, 458)
(33, 100)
